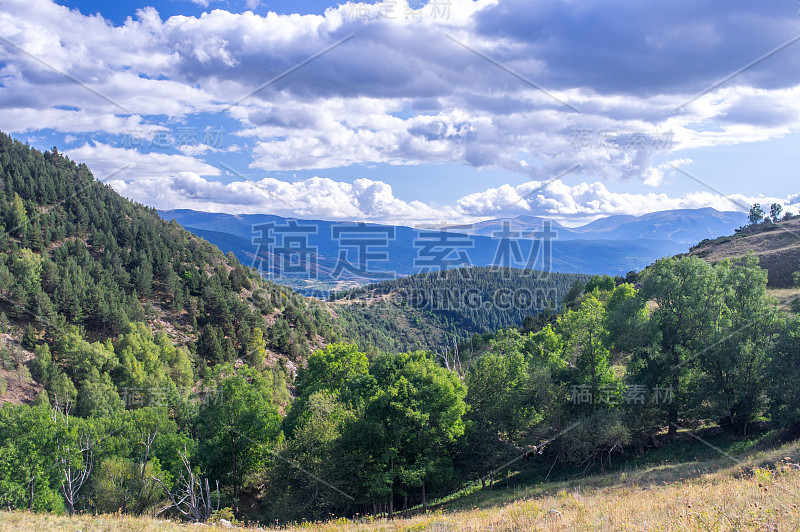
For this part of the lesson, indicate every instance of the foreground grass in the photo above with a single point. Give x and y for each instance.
(758, 492)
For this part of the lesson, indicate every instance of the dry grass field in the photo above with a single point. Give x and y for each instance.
(757, 492)
(777, 247)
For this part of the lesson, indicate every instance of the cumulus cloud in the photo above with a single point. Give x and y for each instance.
(409, 88)
(106, 160)
(374, 201)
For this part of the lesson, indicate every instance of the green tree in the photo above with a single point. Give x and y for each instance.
(98, 396)
(414, 415)
(238, 425)
(775, 211)
(735, 363)
(27, 456)
(756, 214)
(209, 346)
(689, 303)
(256, 350)
(585, 338)
(316, 446)
(18, 223)
(603, 283)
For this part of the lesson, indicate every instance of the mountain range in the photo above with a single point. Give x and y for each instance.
(317, 256)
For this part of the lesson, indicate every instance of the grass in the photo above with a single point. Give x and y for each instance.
(784, 296)
(747, 491)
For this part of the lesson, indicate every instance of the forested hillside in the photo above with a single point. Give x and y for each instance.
(434, 310)
(78, 261)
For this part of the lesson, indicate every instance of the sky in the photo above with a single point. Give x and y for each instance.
(414, 112)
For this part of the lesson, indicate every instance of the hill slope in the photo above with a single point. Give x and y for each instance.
(757, 493)
(776, 245)
(432, 310)
(75, 254)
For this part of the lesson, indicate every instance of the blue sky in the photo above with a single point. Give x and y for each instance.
(443, 111)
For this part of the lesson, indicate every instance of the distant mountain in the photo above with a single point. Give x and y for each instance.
(683, 226)
(519, 224)
(614, 245)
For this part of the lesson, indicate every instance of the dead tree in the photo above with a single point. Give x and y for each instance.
(147, 439)
(453, 362)
(74, 459)
(73, 474)
(192, 496)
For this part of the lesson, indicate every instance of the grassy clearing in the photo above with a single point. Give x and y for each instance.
(759, 491)
(785, 296)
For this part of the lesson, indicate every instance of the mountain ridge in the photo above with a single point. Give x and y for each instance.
(622, 244)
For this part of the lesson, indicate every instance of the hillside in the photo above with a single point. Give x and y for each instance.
(776, 245)
(434, 310)
(78, 259)
(141, 366)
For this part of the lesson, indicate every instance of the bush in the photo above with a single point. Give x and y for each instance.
(23, 373)
(223, 513)
(595, 437)
(117, 483)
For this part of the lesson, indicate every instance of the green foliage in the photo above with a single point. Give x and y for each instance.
(775, 211)
(593, 437)
(119, 486)
(108, 259)
(27, 454)
(438, 308)
(603, 283)
(238, 425)
(371, 424)
(756, 214)
(585, 345)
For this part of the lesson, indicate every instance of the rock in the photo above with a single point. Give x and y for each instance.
(554, 513)
(224, 523)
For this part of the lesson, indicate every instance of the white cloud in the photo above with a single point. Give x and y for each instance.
(129, 164)
(402, 92)
(374, 201)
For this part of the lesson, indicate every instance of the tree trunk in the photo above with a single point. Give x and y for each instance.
(673, 406)
(391, 489)
(148, 443)
(30, 498)
(235, 484)
(424, 499)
